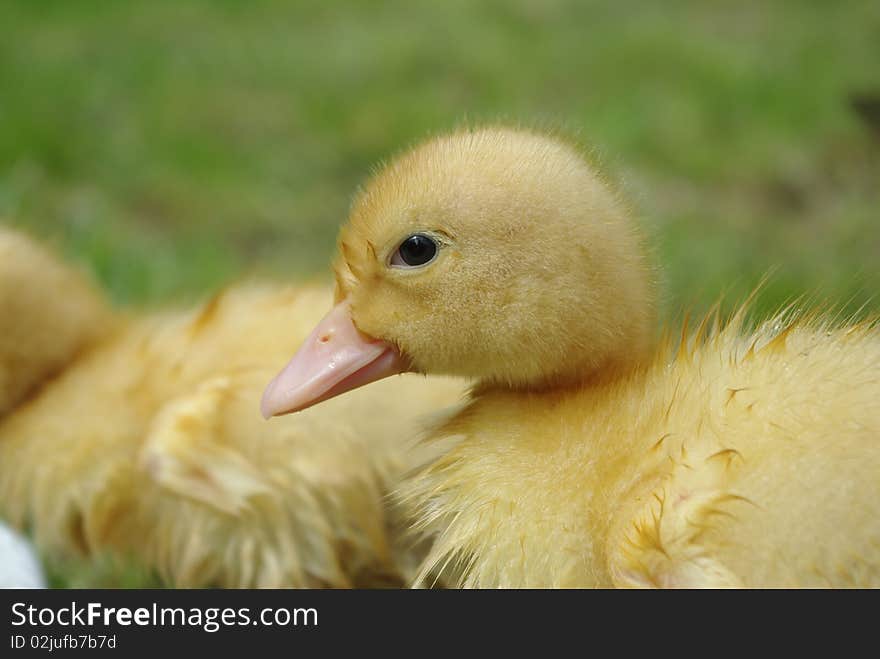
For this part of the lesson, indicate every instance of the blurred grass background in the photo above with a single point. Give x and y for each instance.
(175, 146)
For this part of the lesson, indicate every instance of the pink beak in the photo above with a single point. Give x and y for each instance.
(335, 358)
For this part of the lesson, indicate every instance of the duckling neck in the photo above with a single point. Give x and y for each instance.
(585, 376)
(535, 474)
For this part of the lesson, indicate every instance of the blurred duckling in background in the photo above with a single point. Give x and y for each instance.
(141, 437)
(590, 454)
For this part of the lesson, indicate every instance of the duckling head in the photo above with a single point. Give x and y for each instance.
(497, 254)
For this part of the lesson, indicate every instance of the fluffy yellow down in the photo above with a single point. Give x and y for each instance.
(591, 454)
(142, 436)
(745, 459)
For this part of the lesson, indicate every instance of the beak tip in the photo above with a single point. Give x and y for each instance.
(268, 407)
(322, 368)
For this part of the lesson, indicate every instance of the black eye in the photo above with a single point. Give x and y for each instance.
(416, 250)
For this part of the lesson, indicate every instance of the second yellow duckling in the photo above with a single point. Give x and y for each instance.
(589, 454)
(140, 437)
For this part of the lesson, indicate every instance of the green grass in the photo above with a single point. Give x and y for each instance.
(175, 146)
(100, 572)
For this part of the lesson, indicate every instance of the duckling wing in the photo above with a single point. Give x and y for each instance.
(662, 543)
(188, 453)
(298, 502)
(766, 474)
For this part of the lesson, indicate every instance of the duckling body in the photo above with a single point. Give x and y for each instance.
(589, 453)
(715, 466)
(145, 441)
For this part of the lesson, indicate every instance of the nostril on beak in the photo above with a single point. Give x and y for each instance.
(324, 338)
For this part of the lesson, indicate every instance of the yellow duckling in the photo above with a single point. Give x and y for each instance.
(589, 454)
(141, 437)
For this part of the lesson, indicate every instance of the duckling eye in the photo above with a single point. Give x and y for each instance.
(415, 251)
